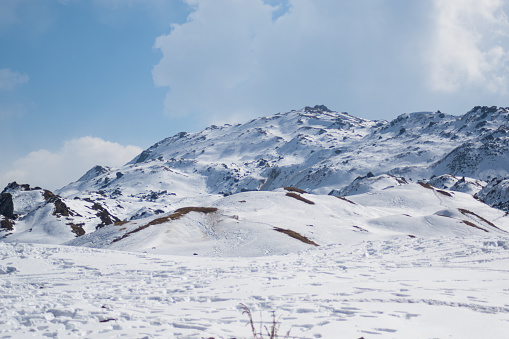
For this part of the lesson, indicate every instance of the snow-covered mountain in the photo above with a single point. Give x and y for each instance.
(313, 149)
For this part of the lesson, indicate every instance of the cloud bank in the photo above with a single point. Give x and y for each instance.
(53, 170)
(470, 45)
(236, 58)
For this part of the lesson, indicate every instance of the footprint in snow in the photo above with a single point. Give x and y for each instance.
(7, 269)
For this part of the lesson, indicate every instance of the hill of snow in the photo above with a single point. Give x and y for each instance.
(283, 222)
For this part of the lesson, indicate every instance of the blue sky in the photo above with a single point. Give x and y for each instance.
(85, 82)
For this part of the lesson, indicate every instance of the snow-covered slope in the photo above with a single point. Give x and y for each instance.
(284, 221)
(38, 215)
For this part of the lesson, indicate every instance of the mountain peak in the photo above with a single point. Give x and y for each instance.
(317, 108)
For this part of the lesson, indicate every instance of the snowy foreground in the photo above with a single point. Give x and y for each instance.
(455, 287)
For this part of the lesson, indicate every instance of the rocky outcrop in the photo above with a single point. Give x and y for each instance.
(61, 208)
(7, 206)
(496, 194)
(452, 183)
(94, 172)
(102, 213)
(369, 182)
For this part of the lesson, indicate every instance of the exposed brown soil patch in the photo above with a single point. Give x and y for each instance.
(298, 197)
(345, 199)
(467, 212)
(444, 193)
(294, 189)
(428, 186)
(471, 224)
(296, 235)
(176, 215)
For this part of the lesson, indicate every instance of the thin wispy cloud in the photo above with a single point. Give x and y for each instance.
(9, 110)
(10, 79)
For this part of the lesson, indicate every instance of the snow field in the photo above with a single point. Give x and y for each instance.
(402, 288)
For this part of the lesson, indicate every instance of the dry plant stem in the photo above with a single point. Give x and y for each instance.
(271, 331)
(246, 310)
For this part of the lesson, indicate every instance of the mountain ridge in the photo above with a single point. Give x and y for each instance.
(315, 149)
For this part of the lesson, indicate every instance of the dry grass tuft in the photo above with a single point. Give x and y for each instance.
(294, 189)
(296, 235)
(174, 216)
(272, 330)
(120, 223)
(298, 197)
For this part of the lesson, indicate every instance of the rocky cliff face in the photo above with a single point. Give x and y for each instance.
(496, 193)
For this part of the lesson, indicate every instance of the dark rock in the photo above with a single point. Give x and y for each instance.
(104, 215)
(143, 156)
(94, 172)
(77, 229)
(7, 206)
(61, 208)
(316, 109)
(7, 224)
(15, 186)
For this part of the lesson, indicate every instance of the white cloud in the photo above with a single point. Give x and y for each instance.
(10, 79)
(237, 58)
(469, 45)
(53, 170)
